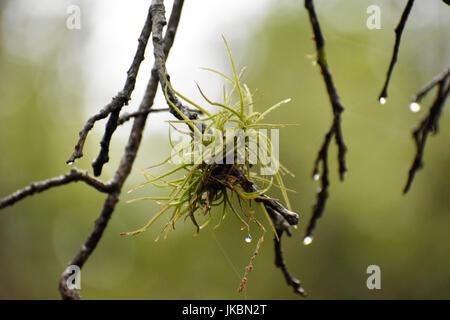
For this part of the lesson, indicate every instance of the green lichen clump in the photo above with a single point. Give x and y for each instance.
(209, 179)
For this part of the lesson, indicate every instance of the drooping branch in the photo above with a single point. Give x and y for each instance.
(334, 131)
(322, 194)
(128, 157)
(114, 107)
(73, 175)
(398, 37)
(430, 124)
(282, 218)
(281, 226)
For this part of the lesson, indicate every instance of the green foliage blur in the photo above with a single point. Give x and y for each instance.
(367, 219)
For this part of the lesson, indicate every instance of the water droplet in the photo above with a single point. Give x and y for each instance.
(248, 238)
(316, 176)
(70, 163)
(314, 63)
(382, 100)
(307, 240)
(414, 107)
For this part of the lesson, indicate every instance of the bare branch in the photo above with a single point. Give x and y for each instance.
(73, 175)
(398, 37)
(128, 158)
(335, 129)
(159, 21)
(431, 122)
(114, 106)
(111, 125)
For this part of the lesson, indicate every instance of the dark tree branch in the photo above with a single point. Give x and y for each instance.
(73, 175)
(130, 153)
(398, 37)
(111, 125)
(335, 130)
(282, 218)
(282, 226)
(114, 106)
(159, 22)
(431, 122)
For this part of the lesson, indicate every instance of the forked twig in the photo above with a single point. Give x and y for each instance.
(114, 107)
(334, 131)
(430, 124)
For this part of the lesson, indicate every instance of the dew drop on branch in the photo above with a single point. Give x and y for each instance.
(414, 107)
(382, 100)
(248, 238)
(307, 240)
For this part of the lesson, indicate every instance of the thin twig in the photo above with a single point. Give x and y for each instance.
(127, 116)
(430, 85)
(398, 37)
(128, 158)
(431, 122)
(335, 129)
(115, 105)
(73, 175)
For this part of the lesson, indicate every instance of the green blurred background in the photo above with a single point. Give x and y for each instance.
(367, 219)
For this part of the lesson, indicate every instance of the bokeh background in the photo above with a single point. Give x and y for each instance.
(52, 79)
